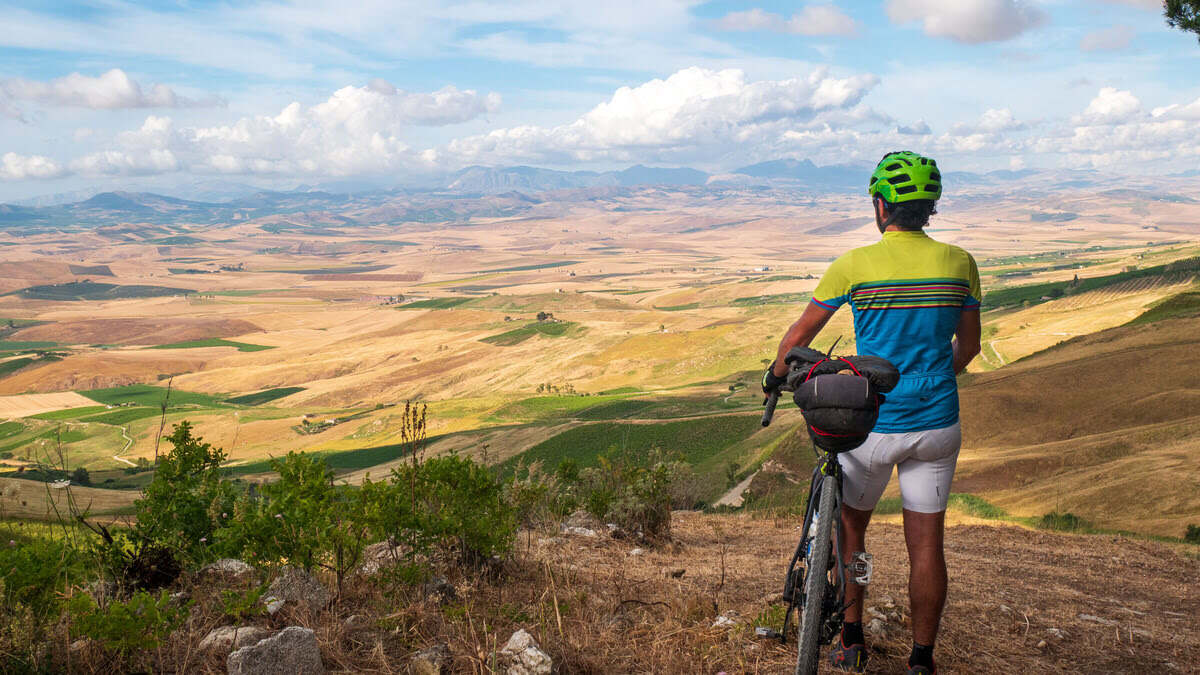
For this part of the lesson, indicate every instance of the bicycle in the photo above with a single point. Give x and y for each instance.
(815, 585)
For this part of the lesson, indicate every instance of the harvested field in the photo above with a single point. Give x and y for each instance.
(35, 500)
(35, 404)
(141, 331)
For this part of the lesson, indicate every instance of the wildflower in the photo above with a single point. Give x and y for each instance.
(279, 515)
(203, 539)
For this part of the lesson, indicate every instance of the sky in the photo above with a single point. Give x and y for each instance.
(112, 93)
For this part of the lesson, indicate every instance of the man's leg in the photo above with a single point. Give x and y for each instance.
(854, 536)
(923, 534)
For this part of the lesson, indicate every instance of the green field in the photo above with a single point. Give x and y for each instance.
(1175, 307)
(149, 395)
(1034, 293)
(519, 335)
(529, 268)
(19, 345)
(10, 367)
(436, 303)
(122, 417)
(776, 299)
(214, 342)
(678, 308)
(265, 396)
(694, 440)
(75, 291)
(69, 413)
(177, 240)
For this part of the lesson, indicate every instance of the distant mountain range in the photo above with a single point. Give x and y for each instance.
(480, 191)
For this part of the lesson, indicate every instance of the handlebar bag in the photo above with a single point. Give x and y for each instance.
(840, 409)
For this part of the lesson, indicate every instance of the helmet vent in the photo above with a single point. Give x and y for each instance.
(900, 178)
(932, 187)
(905, 189)
(935, 176)
(893, 167)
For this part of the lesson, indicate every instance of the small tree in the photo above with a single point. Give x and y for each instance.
(1183, 14)
(80, 477)
(188, 497)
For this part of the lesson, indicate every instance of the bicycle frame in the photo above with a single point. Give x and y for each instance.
(794, 584)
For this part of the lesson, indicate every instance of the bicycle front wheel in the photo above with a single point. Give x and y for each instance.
(816, 582)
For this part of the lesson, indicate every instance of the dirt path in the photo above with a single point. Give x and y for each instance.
(734, 496)
(128, 444)
(1020, 600)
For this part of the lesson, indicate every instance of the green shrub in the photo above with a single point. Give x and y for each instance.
(188, 498)
(238, 605)
(133, 626)
(1066, 522)
(637, 493)
(1193, 534)
(446, 502)
(302, 518)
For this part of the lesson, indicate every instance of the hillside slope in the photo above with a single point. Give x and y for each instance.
(1106, 426)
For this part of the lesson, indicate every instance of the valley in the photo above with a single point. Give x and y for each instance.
(555, 324)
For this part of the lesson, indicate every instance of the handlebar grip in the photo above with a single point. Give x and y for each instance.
(771, 401)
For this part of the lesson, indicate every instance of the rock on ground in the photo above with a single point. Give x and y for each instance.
(293, 651)
(379, 556)
(227, 566)
(295, 587)
(432, 661)
(228, 638)
(523, 656)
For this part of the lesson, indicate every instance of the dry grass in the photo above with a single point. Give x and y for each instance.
(596, 609)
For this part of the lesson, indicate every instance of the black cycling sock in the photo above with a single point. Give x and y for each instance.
(922, 655)
(852, 633)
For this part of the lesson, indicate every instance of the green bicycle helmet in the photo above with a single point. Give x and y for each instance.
(905, 176)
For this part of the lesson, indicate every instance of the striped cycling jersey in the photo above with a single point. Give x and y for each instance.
(907, 293)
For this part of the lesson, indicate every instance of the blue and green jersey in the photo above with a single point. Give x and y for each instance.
(907, 293)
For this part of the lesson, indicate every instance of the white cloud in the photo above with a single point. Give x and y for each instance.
(810, 20)
(1111, 106)
(357, 130)
(1107, 39)
(920, 128)
(20, 167)
(112, 90)
(695, 113)
(1176, 111)
(969, 21)
(1155, 5)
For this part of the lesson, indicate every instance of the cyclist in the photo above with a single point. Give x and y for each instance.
(915, 302)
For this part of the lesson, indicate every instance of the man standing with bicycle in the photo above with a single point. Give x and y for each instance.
(915, 303)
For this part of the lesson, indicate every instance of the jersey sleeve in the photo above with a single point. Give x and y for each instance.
(976, 295)
(834, 288)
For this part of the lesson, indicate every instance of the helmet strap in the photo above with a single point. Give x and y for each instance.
(880, 222)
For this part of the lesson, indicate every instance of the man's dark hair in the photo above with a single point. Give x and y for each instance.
(911, 215)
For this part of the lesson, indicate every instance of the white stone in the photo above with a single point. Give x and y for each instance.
(228, 638)
(293, 651)
(523, 656)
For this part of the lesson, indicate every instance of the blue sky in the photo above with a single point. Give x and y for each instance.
(118, 93)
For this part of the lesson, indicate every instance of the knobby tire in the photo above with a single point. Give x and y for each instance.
(816, 582)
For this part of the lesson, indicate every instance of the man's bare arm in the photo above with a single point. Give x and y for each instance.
(966, 339)
(801, 334)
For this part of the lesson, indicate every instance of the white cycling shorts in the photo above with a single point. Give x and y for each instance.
(924, 460)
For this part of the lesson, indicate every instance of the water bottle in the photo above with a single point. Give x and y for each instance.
(812, 534)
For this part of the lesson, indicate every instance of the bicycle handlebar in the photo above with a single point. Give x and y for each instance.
(770, 403)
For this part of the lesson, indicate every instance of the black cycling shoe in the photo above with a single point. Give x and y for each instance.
(851, 659)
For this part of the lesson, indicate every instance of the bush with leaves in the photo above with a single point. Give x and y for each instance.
(450, 503)
(130, 627)
(188, 499)
(638, 493)
(302, 518)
